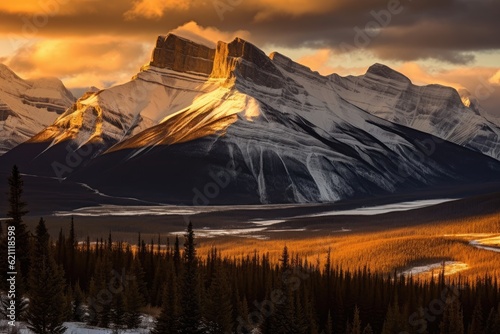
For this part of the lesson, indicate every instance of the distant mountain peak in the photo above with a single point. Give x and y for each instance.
(384, 71)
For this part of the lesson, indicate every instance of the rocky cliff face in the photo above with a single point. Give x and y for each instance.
(240, 59)
(181, 55)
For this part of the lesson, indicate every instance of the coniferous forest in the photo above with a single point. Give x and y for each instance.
(110, 284)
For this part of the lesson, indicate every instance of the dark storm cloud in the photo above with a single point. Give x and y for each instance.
(448, 30)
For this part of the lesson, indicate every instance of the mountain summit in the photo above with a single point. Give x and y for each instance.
(204, 125)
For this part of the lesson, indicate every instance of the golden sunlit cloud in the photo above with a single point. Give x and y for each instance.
(460, 77)
(27, 6)
(266, 9)
(76, 61)
(154, 9)
(318, 61)
(208, 35)
(270, 8)
(495, 79)
(44, 7)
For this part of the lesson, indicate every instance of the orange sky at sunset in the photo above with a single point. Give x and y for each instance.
(101, 43)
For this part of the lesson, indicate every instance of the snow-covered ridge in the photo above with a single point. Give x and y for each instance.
(434, 109)
(28, 106)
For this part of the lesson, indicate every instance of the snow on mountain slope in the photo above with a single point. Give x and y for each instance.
(294, 135)
(265, 128)
(28, 106)
(433, 109)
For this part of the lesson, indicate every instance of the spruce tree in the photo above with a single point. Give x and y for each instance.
(134, 301)
(77, 305)
(17, 210)
(476, 325)
(71, 254)
(329, 324)
(493, 322)
(284, 319)
(190, 317)
(118, 317)
(177, 256)
(368, 329)
(46, 309)
(218, 307)
(167, 322)
(452, 321)
(356, 322)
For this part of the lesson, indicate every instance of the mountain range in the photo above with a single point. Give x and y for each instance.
(227, 124)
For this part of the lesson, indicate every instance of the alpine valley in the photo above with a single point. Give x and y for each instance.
(227, 124)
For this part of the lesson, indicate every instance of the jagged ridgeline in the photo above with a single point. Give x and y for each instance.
(263, 129)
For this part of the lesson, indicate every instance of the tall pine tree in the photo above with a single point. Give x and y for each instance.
(46, 310)
(190, 317)
(17, 210)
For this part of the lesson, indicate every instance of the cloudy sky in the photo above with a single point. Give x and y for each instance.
(101, 43)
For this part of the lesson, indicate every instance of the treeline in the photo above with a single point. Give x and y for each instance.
(108, 284)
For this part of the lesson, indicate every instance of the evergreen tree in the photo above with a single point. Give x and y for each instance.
(189, 320)
(284, 319)
(368, 329)
(329, 323)
(119, 313)
(101, 297)
(177, 255)
(493, 322)
(77, 306)
(452, 321)
(46, 307)
(17, 210)
(167, 322)
(71, 246)
(134, 300)
(395, 321)
(476, 325)
(356, 323)
(218, 307)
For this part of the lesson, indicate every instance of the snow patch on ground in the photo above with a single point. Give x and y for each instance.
(486, 241)
(450, 268)
(238, 232)
(155, 210)
(490, 244)
(82, 328)
(267, 222)
(381, 209)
